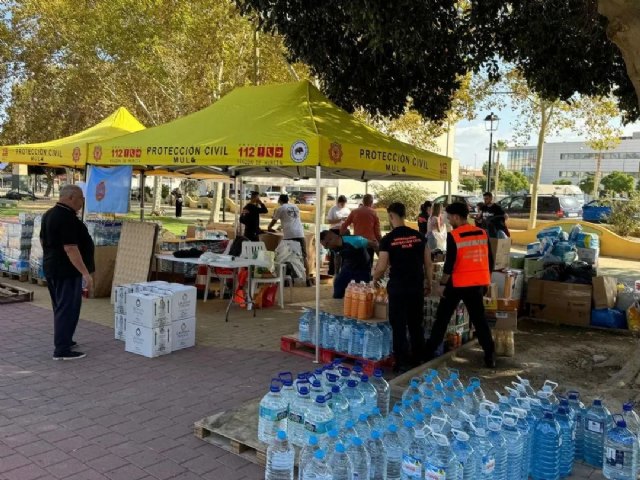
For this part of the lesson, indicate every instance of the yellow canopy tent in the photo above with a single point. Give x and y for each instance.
(289, 130)
(275, 130)
(71, 151)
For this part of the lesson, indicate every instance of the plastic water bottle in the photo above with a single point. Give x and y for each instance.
(504, 405)
(345, 336)
(411, 390)
(396, 416)
(348, 432)
(341, 464)
(485, 455)
(567, 449)
(363, 428)
(596, 420)
(319, 419)
(329, 331)
(526, 438)
(355, 399)
(546, 447)
(345, 376)
(383, 392)
(330, 442)
(360, 458)
(318, 469)
(406, 433)
(368, 392)
(514, 444)
(478, 393)
(579, 411)
(316, 388)
(414, 457)
(372, 345)
(393, 447)
(441, 463)
(528, 389)
(388, 338)
(454, 376)
(298, 412)
(272, 415)
(494, 424)
(287, 391)
(378, 454)
(470, 401)
(280, 459)
(620, 452)
(357, 340)
(376, 420)
(304, 326)
(632, 419)
(307, 453)
(463, 452)
(339, 406)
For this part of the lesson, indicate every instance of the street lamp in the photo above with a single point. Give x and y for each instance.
(491, 125)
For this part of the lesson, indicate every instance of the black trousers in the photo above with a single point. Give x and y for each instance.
(472, 299)
(406, 310)
(66, 299)
(332, 257)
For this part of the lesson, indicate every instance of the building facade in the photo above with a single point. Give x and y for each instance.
(574, 160)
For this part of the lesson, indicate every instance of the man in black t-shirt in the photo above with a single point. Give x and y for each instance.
(68, 263)
(250, 217)
(403, 249)
(492, 217)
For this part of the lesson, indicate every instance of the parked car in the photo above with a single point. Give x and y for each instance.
(598, 211)
(303, 197)
(20, 195)
(550, 207)
(355, 200)
(471, 201)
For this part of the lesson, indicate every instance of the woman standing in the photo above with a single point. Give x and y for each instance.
(423, 217)
(436, 229)
(179, 200)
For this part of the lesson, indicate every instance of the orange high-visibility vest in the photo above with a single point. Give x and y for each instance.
(471, 268)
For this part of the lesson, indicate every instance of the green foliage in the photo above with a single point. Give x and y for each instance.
(411, 194)
(398, 48)
(618, 182)
(562, 182)
(469, 185)
(624, 218)
(586, 184)
(513, 182)
(165, 191)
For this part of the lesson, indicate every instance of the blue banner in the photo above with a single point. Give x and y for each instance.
(108, 189)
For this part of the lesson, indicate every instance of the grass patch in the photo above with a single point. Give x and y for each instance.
(174, 225)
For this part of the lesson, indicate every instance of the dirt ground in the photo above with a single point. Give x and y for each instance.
(597, 363)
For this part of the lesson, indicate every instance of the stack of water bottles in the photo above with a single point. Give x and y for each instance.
(442, 429)
(370, 340)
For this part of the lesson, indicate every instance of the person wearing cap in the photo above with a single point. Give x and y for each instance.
(336, 217)
(250, 217)
(404, 251)
(354, 258)
(466, 274)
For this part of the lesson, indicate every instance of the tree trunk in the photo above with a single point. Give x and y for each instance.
(545, 113)
(497, 163)
(596, 176)
(157, 195)
(624, 31)
(214, 215)
(49, 177)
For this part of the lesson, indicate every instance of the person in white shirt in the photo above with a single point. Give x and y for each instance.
(336, 217)
(292, 229)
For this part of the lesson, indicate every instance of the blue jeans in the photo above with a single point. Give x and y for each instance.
(347, 274)
(66, 299)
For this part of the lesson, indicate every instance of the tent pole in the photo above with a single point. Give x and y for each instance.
(142, 196)
(366, 187)
(84, 205)
(318, 219)
(235, 211)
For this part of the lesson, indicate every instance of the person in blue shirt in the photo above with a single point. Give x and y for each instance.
(351, 251)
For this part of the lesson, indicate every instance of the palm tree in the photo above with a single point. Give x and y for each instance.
(499, 146)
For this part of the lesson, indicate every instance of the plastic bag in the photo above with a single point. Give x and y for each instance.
(290, 252)
(575, 231)
(633, 317)
(269, 296)
(608, 318)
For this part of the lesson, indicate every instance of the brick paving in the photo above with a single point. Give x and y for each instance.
(115, 415)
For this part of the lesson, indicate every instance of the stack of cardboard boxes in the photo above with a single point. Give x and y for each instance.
(155, 318)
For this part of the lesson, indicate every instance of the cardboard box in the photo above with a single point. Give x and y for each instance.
(509, 282)
(533, 265)
(501, 249)
(148, 310)
(490, 304)
(380, 311)
(120, 297)
(589, 255)
(605, 292)
(560, 302)
(503, 320)
(183, 333)
(120, 326)
(182, 298)
(149, 342)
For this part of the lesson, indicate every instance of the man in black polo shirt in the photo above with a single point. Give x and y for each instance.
(68, 263)
(250, 217)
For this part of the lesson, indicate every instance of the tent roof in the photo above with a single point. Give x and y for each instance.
(273, 130)
(71, 151)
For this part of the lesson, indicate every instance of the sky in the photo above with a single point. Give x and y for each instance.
(472, 139)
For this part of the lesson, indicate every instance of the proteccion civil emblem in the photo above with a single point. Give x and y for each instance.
(76, 154)
(97, 152)
(335, 153)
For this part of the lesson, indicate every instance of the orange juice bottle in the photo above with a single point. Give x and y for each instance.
(370, 302)
(348, 300)
(362, 304)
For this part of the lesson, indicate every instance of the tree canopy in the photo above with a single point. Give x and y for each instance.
(377, 55)
(618, 182)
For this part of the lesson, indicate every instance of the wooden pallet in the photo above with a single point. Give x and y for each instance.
(37, 281)
(291, 344)
(21, 277)
(12, 294)
(234, 431)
